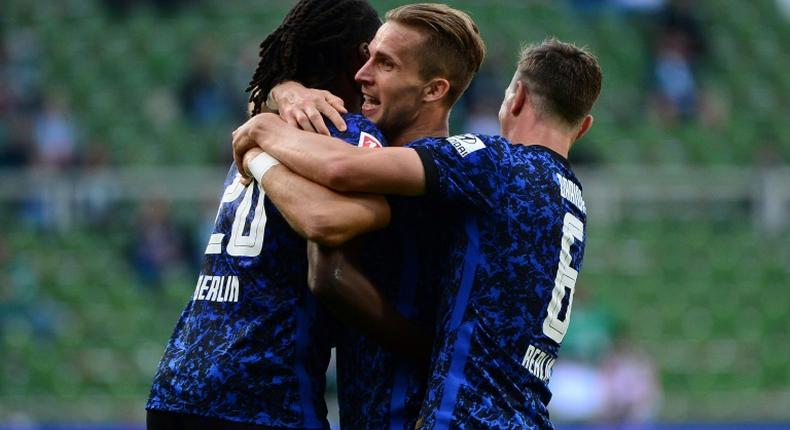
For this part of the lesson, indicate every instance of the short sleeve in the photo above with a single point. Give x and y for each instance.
(360, 131)
(464, 168)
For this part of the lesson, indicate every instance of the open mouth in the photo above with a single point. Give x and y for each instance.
(369, 103)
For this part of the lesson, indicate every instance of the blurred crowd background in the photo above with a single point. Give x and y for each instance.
(115, 118)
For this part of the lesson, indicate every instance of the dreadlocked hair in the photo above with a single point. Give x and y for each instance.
(312, 45)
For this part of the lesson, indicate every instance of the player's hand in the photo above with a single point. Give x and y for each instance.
(251, 135)
(303, 107)
(243, 142)
(246, 176)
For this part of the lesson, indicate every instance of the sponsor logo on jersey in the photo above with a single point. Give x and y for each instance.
(217, 289)
(538, 363)
(571, 192)
(367, 140)
(466, 144)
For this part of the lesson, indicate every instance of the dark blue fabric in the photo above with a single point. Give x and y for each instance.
(260, 359)
(492, 358)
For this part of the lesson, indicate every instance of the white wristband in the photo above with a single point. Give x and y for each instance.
(261, 164)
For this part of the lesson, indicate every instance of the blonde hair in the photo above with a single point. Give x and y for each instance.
(453, 48)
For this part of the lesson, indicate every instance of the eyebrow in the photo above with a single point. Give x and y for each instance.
(385, 56)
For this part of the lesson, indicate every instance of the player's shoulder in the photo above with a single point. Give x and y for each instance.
(464, 144)
(359, 131)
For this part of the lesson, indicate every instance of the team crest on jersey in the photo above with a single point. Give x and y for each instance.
(367, 140)
(466, 144)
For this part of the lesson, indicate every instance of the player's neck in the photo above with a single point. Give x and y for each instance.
(439, 127)
(543, 134)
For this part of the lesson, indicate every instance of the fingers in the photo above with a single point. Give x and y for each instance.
(291, 121)
(238, 156)
(237, 160)
(316, 120)
(328, 110)
(304, 121)
(305, 108)
(241, 143)
(336, 102)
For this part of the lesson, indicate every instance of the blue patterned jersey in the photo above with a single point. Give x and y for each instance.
(252, 345)
(517, 240)
(378, 389)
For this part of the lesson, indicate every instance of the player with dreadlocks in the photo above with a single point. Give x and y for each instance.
(316, 39)
(251, 347)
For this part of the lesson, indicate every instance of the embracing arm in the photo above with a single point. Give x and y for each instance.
(336, 281)
(318, 213)
(331, 162)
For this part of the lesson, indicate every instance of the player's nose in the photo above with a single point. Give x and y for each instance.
(363, 76)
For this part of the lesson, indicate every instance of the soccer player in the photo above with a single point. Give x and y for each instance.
(422, 59)
(516, 231)
(251, 347)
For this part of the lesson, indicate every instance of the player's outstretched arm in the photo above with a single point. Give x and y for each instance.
(337, 282)
(330, 161)
(317, 213)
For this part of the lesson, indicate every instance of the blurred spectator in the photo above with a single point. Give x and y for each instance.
(633, 391)
(577, 383)
(55, 134)
(159, 245)
(675, 87)
(204, 97)
(621, 387)
(677, 51)
(96, 188)
(578, 391)
(48, 204)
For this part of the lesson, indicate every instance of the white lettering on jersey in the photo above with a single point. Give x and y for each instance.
(239, 244)
(217, 289)
(565, 281)
(538, 363)
(571, 192)
(367, 140)
(466, 144)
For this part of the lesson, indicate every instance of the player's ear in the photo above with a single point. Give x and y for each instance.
(586, 124)
(435, 90)
(519, 98)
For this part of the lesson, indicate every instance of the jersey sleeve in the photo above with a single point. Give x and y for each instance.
(464, 168)
(360, 131)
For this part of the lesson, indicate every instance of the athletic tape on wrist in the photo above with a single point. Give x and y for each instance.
(261, 164)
